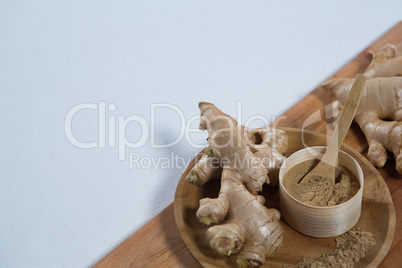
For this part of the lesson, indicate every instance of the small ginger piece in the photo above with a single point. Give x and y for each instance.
(251, 231)
(384, 64)
(380, 111)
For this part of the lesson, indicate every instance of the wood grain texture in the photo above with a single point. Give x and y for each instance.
(159, 243)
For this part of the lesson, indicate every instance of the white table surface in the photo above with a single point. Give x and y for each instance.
(60, 61)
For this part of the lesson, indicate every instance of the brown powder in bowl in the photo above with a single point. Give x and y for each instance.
(320, 192)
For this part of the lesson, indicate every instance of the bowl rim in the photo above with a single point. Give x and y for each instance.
(344, 204)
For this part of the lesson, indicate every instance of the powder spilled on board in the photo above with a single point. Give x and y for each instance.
(350, 248)
(320, 191)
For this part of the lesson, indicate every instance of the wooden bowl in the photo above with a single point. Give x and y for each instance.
(320, 221)
(377, 214)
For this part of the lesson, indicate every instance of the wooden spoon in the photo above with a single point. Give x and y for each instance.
(326, 167)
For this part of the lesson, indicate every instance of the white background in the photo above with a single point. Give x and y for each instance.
(62, 206)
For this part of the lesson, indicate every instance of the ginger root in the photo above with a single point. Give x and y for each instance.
(380, 111)
(251, 231)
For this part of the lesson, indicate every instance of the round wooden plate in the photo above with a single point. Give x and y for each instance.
(378, 214)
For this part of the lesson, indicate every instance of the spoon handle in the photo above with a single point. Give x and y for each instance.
(345, 120)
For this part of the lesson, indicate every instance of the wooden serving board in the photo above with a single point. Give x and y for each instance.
(377, 215)
(159, 244)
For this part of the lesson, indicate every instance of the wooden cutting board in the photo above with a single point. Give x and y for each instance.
(158, 242)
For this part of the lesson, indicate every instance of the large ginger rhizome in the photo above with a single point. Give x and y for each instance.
(241, 224)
